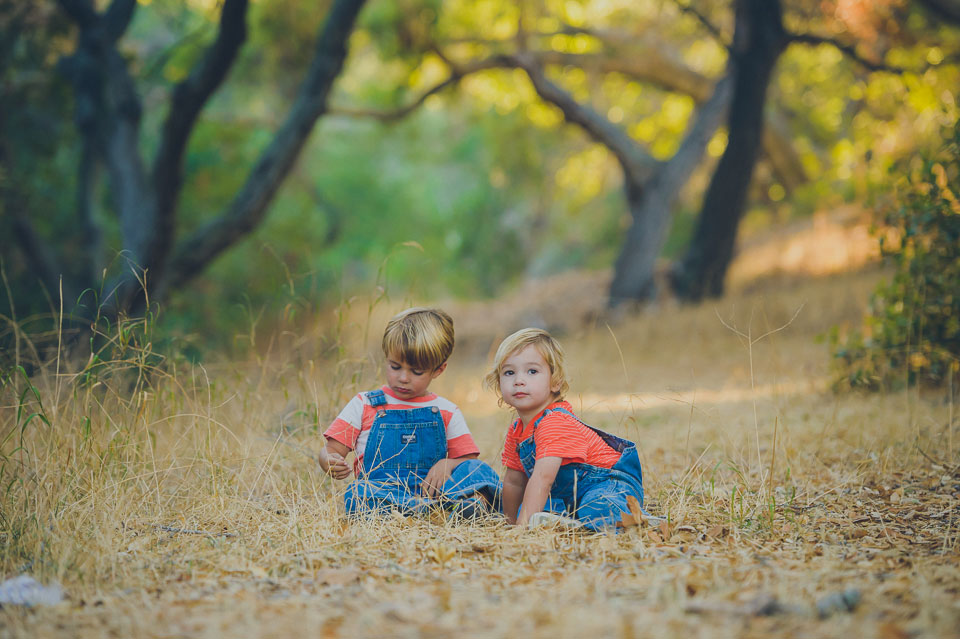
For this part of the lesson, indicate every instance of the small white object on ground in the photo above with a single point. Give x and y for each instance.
(552, 520)
(27, 591)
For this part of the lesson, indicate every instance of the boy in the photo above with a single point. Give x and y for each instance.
(554, 462)
(412, 448)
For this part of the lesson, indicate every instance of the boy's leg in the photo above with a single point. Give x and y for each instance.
(602, 505)
(473, 480)
(371, 497)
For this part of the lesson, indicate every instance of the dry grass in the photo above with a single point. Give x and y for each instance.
(185, 503)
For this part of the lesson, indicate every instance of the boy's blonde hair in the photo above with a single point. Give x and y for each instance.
(548, 348)
(422, 338)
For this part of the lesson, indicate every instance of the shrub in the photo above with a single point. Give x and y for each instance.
(912, 330)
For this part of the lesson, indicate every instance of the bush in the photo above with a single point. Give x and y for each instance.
(912, 332)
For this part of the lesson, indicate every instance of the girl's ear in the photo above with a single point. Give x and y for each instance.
(438, 370)
(555, 387)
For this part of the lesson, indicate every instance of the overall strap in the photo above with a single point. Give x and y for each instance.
(377, 398)
(542, 415)
(616, 443)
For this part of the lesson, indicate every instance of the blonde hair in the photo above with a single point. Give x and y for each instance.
(422, 338)
(546, 345)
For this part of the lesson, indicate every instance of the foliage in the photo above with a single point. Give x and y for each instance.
(912, 333)
(485, 177)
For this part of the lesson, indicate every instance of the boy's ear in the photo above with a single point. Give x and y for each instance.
(438, 370)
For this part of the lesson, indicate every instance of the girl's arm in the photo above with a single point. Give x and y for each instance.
(332, 459)
(514, 484)
(440, 472)
(538, 488)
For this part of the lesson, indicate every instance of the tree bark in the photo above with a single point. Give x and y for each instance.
(759, 39)
(650, 206)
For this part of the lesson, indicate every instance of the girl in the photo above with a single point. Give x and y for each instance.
(554, 462)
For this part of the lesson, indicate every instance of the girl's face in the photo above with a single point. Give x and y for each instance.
(525, 382)
(407, 382)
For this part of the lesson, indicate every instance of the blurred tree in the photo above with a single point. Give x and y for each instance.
(759, 39)
(108, 114)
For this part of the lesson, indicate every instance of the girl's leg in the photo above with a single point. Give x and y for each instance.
(602, 505)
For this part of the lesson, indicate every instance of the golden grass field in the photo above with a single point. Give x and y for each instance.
(185, 502)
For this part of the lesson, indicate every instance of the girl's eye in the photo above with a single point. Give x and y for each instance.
(507, 373)
(533, 371)
(417, 373)
(394, 367)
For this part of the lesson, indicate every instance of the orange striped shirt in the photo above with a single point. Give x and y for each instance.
(559, 435)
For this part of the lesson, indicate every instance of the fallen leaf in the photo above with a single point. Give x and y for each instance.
(717, 531)
(664, 529)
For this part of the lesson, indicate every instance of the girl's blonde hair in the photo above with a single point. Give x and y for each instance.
(421, 338)
(548, 348)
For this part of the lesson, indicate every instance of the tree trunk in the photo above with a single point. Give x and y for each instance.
(651, 204)
(759, 39)
(108, 118)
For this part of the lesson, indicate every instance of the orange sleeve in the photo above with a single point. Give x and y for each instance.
(460, 446)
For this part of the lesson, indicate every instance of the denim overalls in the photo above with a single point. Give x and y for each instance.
(402, 446)
(595, 496)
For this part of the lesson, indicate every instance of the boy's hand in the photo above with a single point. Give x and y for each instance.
(338, 467)
(334, 463)
(437, 476)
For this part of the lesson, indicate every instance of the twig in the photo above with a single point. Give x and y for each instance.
(929, 458)
(850, 51)
(187, 531)
(702, 19)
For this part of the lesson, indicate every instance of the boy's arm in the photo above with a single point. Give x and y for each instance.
(538, 488)
(440, 472)
(331, 459)
(514, 484)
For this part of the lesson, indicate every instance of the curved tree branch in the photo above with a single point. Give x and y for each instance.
(249, 207)
(187, 101)
(80, 11)
(702, 19)
(457, 73)
(639, 164)
(650, 64)
(117, 18)
(848, 50)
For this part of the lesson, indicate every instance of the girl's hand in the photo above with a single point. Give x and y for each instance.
(538, 488)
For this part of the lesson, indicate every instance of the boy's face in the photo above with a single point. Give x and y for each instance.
(407, 382)
(525, 382)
